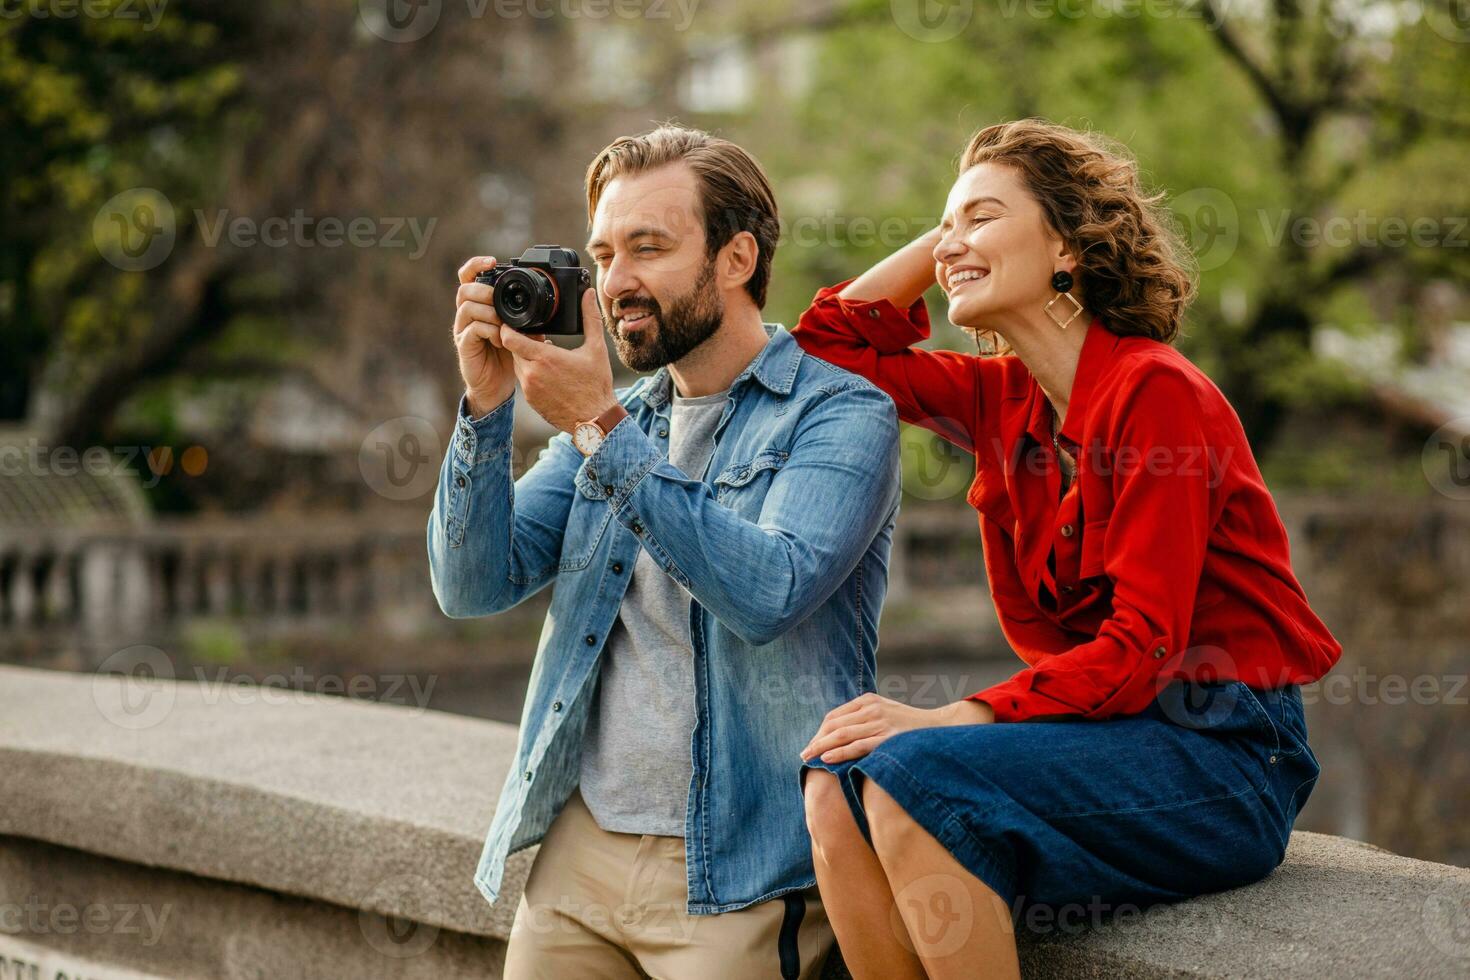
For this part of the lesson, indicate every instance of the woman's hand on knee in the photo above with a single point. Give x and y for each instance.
(852, 730)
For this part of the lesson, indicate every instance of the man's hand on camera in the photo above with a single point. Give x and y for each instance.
(486, 366)
(565, 386)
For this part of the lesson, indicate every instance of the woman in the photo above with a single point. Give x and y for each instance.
(1153, 748)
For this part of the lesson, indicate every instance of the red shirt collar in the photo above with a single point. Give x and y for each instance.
(1097, 351)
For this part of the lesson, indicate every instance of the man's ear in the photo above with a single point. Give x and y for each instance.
(736, 261)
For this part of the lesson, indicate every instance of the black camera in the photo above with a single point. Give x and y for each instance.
(540, 292)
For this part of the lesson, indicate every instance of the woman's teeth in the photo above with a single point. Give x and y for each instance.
(956, 278)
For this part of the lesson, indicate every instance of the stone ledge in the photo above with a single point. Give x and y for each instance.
(356, 804)
(385, 808)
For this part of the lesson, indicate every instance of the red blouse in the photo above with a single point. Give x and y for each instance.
(1166, 558)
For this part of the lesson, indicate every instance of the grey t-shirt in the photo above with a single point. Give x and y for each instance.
(636, 762)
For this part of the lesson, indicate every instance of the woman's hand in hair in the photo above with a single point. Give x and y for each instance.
(852, 730)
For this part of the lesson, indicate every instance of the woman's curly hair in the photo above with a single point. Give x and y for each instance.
(1133, 269)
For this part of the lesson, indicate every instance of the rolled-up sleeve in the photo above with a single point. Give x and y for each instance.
(937, 390)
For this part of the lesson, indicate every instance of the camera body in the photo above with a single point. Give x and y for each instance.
(540, 292)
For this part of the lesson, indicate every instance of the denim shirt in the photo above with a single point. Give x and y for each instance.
(783, 544)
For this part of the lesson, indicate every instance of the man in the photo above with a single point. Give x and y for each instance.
(718, 535)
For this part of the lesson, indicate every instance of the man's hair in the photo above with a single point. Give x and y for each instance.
(733, 190)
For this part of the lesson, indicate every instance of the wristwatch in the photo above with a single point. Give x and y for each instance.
(588, 436)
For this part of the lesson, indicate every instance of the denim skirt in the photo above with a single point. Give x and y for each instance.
(1195, 794)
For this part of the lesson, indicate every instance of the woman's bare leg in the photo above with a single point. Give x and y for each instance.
(959, 926)
(854, 887)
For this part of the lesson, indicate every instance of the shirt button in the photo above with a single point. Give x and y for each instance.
(459, 481)
(556, 706)
(1273, 760)
(1159, 653)
(617, 568)
(607, 488)
(592, 639)
(663, 433)
(637, 527)
(1067, 590)
(528, 775)
(1066, 530)
(591, 474)
(874, 313)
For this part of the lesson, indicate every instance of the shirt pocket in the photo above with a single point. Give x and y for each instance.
(742, 486)
(989, 495)
(587, 522)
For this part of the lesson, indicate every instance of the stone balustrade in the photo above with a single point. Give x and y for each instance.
(153, 828)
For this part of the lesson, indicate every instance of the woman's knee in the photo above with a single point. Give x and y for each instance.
(888, 822)
(829, 819)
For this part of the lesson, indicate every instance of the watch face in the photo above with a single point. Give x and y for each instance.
(587, 437)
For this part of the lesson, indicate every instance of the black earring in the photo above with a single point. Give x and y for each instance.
(1062, 281)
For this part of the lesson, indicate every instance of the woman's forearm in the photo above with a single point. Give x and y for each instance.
(901, 278)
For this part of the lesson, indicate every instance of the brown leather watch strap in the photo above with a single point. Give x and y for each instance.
(610, 418)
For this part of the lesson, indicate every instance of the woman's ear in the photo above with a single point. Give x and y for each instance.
(737, 261)
(1063, 258)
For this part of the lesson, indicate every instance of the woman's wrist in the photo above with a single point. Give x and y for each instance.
(968, 712)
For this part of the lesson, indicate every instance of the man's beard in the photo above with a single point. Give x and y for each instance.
(691, 320)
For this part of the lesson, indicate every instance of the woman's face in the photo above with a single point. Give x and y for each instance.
(997, 253)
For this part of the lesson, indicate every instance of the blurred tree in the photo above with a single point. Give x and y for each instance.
(221, 116)
(87, 102)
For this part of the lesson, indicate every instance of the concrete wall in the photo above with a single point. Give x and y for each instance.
(174, 829)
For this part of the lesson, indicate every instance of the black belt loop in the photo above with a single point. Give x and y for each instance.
(790, 926)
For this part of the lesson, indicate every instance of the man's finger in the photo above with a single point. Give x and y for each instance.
(474, 313)
(477, 291)
(525, 347)
(592, 319)
(478, 331)
(475, 266)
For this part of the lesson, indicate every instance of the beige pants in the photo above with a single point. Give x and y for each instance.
(608, 905)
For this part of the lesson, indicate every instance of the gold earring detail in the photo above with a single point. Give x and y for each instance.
(1062, 283)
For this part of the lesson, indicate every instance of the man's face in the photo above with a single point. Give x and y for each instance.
(655, 278)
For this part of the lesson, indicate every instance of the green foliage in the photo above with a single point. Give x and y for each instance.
(91, 105)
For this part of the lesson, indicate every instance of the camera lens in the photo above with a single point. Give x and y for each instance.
(525, 298)
(516, 298)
